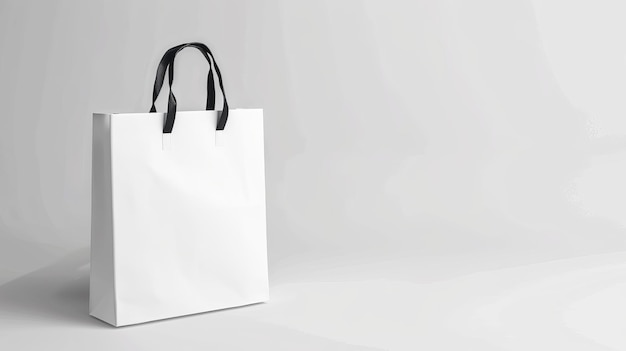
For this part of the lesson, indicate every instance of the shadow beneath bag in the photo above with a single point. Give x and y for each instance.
(57, 295)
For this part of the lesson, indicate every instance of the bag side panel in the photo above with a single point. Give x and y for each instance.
(102, 283)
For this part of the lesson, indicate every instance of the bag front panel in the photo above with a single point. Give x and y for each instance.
(189, 214)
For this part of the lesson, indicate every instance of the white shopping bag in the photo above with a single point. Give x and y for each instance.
(178, 209)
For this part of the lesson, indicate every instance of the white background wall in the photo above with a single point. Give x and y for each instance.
(402, 129)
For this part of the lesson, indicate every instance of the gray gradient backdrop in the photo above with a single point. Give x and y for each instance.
(406, 141)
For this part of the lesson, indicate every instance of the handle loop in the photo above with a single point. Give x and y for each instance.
(167, 64)
(160, 79)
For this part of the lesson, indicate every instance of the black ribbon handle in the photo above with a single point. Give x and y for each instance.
(160, 77)
(167, 64)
